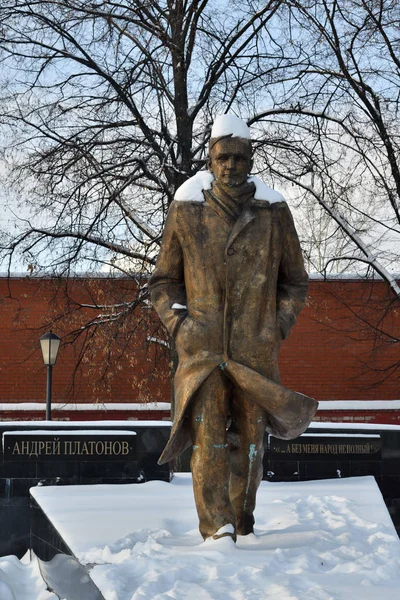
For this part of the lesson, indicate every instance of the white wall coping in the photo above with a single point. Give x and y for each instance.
(358, 405)
(100, 406)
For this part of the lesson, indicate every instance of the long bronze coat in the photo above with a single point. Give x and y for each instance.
(244, 285)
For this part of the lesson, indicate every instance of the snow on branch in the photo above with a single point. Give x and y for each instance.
(94, 240)
(157, 341)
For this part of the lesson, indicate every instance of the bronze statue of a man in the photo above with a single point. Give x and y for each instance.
(228, 285)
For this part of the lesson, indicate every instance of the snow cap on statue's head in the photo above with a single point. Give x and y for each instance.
(229, 126)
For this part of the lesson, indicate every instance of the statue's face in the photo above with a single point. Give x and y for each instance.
(230, 161)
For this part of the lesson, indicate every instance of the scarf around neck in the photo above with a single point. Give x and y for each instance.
(229, 201)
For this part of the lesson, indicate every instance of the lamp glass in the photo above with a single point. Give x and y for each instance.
(50, 343)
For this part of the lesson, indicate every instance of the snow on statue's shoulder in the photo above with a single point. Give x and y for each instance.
(192, 189)
(263, 192)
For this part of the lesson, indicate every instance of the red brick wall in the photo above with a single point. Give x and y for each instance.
(329, 354)
(139, 371)
(332, 352)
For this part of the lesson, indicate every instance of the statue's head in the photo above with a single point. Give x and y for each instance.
(230, 153)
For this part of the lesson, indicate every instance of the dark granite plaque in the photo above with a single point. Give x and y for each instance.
(57, 446)
(71, 454)
(326, 447)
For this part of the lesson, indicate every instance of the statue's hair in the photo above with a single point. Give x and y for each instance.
(214, 141)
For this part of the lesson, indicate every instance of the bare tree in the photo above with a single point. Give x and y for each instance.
(333, 129)
(106, 108)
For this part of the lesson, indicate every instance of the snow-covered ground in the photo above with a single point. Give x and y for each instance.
(316, 540)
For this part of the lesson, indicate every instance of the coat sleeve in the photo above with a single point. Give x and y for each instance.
(166, 284)
(292, 284)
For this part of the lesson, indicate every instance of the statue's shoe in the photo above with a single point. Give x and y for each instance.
(226, 531)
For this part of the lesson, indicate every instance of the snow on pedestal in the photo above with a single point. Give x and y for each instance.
(315, 540)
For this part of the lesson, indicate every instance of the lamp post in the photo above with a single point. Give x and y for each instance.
(49, 343)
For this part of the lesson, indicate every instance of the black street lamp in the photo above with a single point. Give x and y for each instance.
(49, 343)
